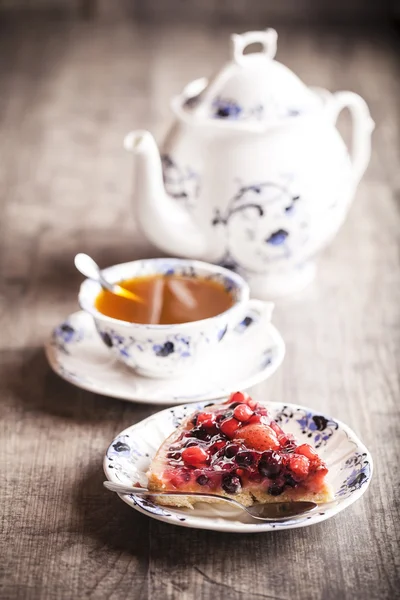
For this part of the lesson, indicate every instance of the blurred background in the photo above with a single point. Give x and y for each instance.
(211, 11)
(76, 75)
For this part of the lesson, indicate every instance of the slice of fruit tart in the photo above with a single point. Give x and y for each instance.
(235, 449)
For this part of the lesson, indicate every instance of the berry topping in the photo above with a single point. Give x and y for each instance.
(306, 450)
(231, 483)
(299, 465)
(202, 480)
(236, 446)
(242, 412)
(275, 490)
(290, 481)
(259, 437)
(195, 456)
(231, 450)
(191, 443)
(174, 455)
(274, 425)
(216, 446)
(239, 397)
(229, 427)
(287, 443)
(254, 419)
(206, 419)
(270, 464)
(244, 459)
(201, 433)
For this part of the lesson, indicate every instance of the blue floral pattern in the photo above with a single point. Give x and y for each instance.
(230, 109)
(265, 223)
(360, 474)
(181, 182)
(127, 461)
(90, 364)
(316, 427)
(66, 334)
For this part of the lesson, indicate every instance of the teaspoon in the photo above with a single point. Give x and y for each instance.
(89, 268)
(275, 511)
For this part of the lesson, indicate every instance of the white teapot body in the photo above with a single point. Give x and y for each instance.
(263, 199)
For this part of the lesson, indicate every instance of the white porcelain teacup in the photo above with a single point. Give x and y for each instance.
(167, 350)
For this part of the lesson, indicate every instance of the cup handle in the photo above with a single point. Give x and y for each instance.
(264, 309)
(363, 126)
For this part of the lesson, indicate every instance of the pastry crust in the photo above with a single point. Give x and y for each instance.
(246, 497)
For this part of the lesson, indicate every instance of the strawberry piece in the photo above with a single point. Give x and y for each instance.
(276, 428)
(259, 437)
(195, 456)
(237, 397)
(254, 419)
(242, 412)
(229, 427)
(317, 479)
(206, 419)
(306, 450)
(299, 465)
(252, 403)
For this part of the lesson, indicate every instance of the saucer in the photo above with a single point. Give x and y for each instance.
(247, 355)
(348, 460)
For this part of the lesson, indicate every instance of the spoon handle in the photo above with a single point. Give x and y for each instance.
(87, 266)
(279, 511)
(126, 489)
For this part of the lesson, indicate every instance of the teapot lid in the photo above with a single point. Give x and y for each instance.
(251, 87)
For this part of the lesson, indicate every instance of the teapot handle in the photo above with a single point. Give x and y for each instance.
(363, 126)
(267, 39)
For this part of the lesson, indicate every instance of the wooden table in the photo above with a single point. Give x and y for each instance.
(69, 92)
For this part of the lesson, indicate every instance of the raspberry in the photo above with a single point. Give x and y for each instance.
(242, 412)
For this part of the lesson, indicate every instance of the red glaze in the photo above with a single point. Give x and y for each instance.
(236, 444)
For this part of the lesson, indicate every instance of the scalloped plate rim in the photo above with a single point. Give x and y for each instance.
(237, 527)
(261, 375)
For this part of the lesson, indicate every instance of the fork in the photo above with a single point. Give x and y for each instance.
(276, 511)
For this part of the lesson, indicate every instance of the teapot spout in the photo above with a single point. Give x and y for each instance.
(167, 225)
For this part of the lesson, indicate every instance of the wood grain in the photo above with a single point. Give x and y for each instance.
(69, 92)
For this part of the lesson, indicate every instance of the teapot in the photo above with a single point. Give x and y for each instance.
(253, 174)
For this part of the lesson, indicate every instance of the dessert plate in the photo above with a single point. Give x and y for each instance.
(348, 460)
(248, 355)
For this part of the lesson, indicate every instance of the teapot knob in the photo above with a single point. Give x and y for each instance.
(267, 38)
